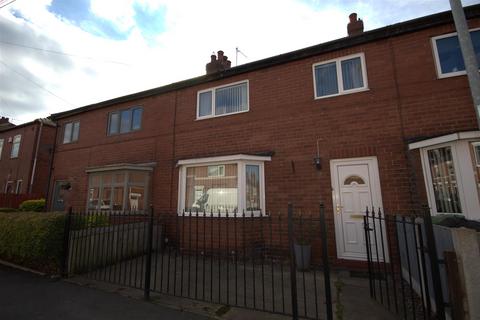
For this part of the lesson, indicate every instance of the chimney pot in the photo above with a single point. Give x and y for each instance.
(218, 63)
(355, 26)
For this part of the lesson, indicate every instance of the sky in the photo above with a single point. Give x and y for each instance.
(57, 55)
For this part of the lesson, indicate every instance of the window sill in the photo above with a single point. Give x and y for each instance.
(254, 214)
(452, 74)
(343, 93)
(221, 115)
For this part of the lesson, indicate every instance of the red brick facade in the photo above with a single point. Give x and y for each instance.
(31, 160)
(405, 101)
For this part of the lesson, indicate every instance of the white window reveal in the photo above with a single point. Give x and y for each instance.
(451, 173)
(18, 187)
(223, 100)
(71, 132)
(1, 147)
(223, 185)
(340, 76)
(16, 146)
(448, 56)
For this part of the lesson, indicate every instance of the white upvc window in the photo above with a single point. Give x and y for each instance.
(451, 174)
(1, 147)
(448, 55)
(220, 185)
(71, 132)
(118, 190)
(340, 76)
(8, 187)
(224, 100)
(16, 146)
(18, 187)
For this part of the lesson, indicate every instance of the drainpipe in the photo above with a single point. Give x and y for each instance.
(466, 46)
(30, 187)
(50, 170)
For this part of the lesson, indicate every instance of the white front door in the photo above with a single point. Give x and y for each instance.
(355, 186)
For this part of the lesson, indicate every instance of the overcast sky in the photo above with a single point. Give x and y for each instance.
(57, 55)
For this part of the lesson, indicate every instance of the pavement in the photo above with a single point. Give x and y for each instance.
(24, 295)
(29, 296)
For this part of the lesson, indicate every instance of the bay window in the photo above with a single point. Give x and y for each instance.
(223, 185)
(451, 173)
(122, 189)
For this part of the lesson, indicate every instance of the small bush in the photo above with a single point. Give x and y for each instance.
(89, 221)
(33, 205)
(33, 239)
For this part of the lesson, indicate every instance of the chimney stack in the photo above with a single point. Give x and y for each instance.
(218, 63)
(4, 120)
(355, 26)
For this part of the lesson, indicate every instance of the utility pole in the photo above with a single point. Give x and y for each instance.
(466, 46)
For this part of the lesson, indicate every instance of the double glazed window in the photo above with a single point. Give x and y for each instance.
(16, 146)
(229, 99)
(452, 174)
(118, 190)
(340, 76)
(71, 131)
(125, 120)
(233, 184)
(448, 56)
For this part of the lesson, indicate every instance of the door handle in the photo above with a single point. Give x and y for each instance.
(339, 209)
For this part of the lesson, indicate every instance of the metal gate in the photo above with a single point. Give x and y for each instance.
(403, 264)
(277, 264)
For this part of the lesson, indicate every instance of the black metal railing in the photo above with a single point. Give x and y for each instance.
(277, 264)
(403, 264)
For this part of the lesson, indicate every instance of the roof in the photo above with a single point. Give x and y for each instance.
(366, 37)
(45, 121)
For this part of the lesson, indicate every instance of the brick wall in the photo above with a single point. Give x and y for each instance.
(405, 100)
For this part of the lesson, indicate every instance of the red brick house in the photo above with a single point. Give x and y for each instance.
(25, 157)
(381, 118)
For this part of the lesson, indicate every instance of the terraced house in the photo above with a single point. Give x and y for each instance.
(25, 156)
(381, 118)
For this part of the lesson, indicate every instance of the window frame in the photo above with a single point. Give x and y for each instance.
(18, 186)
(436, 58)
(119, 112)
(338, 66)
(462, 163)
(2, 143)
(9, 182)
(12, 156)
(71, 131)
(213, 91)
(126, 172)
(241, 161)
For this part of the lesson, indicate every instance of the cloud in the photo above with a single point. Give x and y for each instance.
(133, 45)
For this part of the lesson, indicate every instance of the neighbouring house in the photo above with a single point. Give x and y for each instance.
(382, 118)
(25, 156)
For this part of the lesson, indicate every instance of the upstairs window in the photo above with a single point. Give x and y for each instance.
(340, 76)
(1, 148)
(448, 56)
(224, 100)
(16, 146)
(125, 121)
(71, 131)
